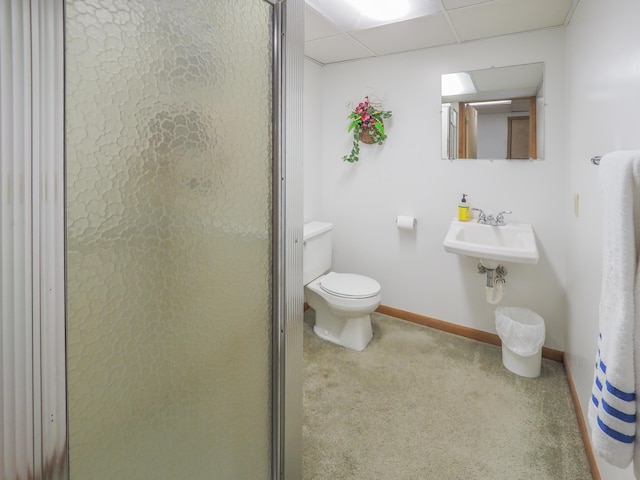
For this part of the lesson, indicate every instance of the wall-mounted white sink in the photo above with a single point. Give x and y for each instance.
(513, 242)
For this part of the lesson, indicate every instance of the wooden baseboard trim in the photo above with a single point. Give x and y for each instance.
(591, 457)
(463, 331)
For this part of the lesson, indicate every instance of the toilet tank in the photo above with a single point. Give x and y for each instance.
(316, 256)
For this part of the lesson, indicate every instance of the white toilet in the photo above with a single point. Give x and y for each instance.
(343, 302)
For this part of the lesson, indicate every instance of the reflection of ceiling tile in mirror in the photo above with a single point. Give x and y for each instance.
(453, 4)
(526, 78)
(503, 17)
(413, 34)
(316, 26)
(335, 49)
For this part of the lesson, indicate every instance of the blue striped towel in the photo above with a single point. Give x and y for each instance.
(612, 409)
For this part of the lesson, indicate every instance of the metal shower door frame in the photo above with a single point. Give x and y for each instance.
(49, 342)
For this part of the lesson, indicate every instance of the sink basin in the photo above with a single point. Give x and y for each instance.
(513, 242)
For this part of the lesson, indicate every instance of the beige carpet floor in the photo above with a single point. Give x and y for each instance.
(418, 403)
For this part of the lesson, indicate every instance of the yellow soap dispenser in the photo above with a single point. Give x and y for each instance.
(463, 209)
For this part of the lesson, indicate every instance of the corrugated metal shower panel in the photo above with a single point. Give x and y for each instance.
(32, 347)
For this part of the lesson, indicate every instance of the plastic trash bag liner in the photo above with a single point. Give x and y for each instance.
(520, 329)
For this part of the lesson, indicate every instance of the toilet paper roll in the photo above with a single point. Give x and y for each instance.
(406, 223)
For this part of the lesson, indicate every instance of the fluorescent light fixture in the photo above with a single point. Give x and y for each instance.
(490, 102)
(457, 84)
(383, 10)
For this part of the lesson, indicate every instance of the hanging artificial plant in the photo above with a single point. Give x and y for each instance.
(367, 127)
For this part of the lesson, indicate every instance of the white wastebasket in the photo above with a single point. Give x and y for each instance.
(522, 333)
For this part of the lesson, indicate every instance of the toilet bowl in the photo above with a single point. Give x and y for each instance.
(342, 302)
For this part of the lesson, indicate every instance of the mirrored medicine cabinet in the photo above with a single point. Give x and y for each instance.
(496, 113)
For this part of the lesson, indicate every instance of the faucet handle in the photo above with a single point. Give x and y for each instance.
(482, 218)
(500, 216)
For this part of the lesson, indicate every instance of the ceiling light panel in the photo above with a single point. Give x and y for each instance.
(459, 83)
(489, 103)
(349, 16)
(382, 10)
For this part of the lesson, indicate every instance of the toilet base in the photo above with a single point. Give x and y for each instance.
(355, 334)
(345, 322)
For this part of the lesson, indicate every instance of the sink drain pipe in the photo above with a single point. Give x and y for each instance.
(494, 289)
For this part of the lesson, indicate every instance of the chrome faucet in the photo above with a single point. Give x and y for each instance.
(489, 219)
(500, 217)
(482, 218)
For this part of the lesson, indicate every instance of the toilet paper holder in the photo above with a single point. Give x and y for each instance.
(406, 223)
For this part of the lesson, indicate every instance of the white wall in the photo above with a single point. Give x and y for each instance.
(312, 140)
(603, 76)
(406, 176)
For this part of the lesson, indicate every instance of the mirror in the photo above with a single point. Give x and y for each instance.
(494, 113)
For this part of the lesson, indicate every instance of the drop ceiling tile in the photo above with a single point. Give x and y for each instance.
(316, 26)
(502, 17)
(422, 32)
(335, 49)
(453, 4)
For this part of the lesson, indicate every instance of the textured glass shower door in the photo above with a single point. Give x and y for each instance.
(169, 238)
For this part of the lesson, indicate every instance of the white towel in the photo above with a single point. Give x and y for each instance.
(612, 409)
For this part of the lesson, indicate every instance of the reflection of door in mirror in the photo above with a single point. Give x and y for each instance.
(518, 138)
(449, 131)
(485, 129)
(471, 133)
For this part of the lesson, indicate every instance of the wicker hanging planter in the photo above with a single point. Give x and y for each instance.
(365, 137)
(366, 126)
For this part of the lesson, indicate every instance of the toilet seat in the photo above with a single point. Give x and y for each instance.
(349, 285)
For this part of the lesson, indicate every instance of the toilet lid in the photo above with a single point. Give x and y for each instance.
(349, 285)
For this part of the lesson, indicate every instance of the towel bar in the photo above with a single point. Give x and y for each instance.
(596, 160)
